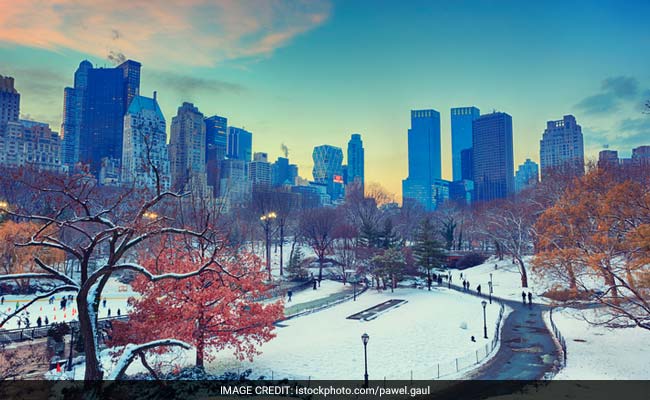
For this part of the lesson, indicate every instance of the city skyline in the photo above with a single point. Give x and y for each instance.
(282, 86)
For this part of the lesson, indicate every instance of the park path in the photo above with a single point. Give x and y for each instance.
(528, 350)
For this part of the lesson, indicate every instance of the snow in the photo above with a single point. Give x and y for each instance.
(597, 352)
(412, 338)
(506, 279)
(326, 289)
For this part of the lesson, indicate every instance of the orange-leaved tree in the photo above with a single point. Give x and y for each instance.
(596, 239)
(210, 311)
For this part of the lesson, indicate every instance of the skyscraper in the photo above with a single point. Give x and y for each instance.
(355, 170)
(608, 159)
(73, 100)
(467, 164)
(145, 145)
(187, 149)
(527, 175)
(240, 144)
(9, 101)
(461, 136)
(216, 138)
(424, 164)
(259, 170)
(283, 173)
(105, 101)
(561, 148)
(492, 156)
(327, 169)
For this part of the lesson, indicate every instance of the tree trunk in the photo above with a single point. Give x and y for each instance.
(573, 286)
(522, 271)
(93, 369)
(281, 246)
(320, 267)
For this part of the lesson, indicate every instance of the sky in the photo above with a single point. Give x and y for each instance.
(306, 73)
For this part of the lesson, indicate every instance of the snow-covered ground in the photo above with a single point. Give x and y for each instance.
(597, 352)
(433, 327)
(326, 289)
(506, 279)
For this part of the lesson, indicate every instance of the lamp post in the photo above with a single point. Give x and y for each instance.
(355, 280)
(490, 296)
(364, 339)
(484, 303)
(266, 221)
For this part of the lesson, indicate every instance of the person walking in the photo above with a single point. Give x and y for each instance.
(104, 303)
(27, 323)
(119, 312)
(530, 299)
(47, 321)
(109, 312)
(39, 322)
(2, 301)
(478, 290)
(289, 294)
(523, 297)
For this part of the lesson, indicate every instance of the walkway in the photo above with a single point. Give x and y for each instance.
(527, 352)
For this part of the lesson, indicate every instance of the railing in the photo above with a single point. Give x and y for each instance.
(474, 358)
(23, 334)
(559, 337)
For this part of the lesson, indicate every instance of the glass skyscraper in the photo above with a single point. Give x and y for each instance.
(492, 156)
(355, 170)
(461, 136)
(561, 148)
(424, 164)
(216, 137)
(327, 169)
(240, 144)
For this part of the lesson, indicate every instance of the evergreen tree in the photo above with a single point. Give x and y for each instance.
(295, 269)
(388, 238)
(427, 251)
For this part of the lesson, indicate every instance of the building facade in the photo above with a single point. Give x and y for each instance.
(327, 169)
(187, 149)
(461, 136)
(216, 138)
(355, 167)
(561, 149)
(283, 173)
(144, 149)
(492, 154)
(73, 103)
(424, 163)
(240, 144)
(527, 175)
(259, 170)
(9, 101)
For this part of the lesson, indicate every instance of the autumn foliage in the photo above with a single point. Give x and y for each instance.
(210, 311)
(596, 239)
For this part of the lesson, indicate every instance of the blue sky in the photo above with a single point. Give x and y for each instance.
(308, 73)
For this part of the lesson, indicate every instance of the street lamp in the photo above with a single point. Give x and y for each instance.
(150, 215)
(364, 339)
(484, 303)
(490, 283)
(266, 220)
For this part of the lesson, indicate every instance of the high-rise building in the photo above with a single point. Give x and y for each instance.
(355, 170)
(240, 144)
(461, 136)
(105, 101)
(608, 159)
(187, 149)
(424, 164)
(234, 187)
(283, 173)
(327, 169)
(527, 175)
(466, 164)
(561, 148)
(9, 101)
(216, 138)
(144, 150)
(492, 156)
(641, 155)
(30, 143)
(259, 170)
(73, 100)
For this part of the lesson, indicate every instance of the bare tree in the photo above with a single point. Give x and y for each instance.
(317, 227)
(111, 228)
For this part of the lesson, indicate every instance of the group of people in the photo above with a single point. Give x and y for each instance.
(530, 298)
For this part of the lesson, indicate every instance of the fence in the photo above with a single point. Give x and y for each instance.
(471, 359)
(23, 334)
(559, 337)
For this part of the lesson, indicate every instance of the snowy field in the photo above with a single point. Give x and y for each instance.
(596, 352)
(506, 279)
(326, 289)
(414, 337)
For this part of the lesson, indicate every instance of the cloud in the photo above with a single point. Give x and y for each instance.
(615, 91)
(187, 87)
(170, 32)
(628, 133)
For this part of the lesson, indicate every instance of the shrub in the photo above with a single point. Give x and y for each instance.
(470, 260)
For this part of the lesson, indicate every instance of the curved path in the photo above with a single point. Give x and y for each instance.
(528, 352)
